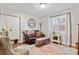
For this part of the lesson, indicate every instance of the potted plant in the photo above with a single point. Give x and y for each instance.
(6, 30)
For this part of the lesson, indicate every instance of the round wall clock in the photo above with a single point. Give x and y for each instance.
(31, 23)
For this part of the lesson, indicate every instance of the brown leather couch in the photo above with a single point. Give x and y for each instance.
(29, 36)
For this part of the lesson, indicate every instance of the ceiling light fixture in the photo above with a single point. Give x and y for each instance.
(43, 5)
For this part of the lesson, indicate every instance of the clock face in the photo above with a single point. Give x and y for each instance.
(31, 23)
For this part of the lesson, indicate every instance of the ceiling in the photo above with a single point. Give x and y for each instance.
(35, 10)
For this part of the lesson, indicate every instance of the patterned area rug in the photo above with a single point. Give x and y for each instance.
(45, 50)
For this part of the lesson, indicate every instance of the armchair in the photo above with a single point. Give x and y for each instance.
(6, 49)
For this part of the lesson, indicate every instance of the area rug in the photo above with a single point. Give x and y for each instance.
(45, 50)
(49, 49)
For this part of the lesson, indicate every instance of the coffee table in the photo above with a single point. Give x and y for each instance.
(15, 41)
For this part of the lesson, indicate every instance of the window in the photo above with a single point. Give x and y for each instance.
(58, 25)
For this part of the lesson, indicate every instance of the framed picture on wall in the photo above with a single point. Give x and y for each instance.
(31, 23)
(61, 27)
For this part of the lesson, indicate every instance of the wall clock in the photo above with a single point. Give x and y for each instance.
(31, 23)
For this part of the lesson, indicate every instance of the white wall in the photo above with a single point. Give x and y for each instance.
(45, 25)
(74, 21)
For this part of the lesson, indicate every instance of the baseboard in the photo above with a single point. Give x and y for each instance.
(72, 46)
(69, 45)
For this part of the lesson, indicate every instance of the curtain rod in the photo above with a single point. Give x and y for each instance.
(60, 14)
(8, 15)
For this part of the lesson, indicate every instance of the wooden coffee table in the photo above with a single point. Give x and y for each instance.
(15, 41)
